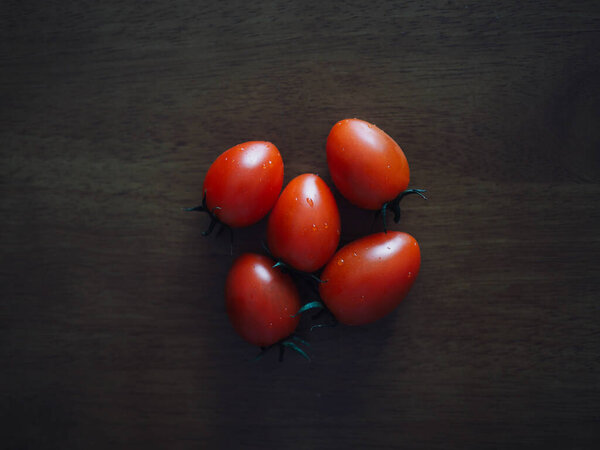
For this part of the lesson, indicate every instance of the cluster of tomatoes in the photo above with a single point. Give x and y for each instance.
(359, 283)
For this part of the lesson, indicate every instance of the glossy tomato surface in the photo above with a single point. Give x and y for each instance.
(304, 226)
(368, 278)
(243, 183)
(260, 300)
(367, 166)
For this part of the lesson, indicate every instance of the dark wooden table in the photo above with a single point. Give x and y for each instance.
(113, 332)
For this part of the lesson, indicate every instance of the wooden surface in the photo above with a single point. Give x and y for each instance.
(112, 326)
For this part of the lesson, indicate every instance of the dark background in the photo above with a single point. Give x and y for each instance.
(113, 329)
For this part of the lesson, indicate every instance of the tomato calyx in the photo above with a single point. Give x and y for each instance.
(214, 220)
(308, 306)
(287, 342)
(295, 273)
(334, 322)
(394, 205)
(322, 309)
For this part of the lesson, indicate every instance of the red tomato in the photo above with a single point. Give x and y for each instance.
(367, 166)
(368, 278)
(261, 300)
(304, 226)
(243, 183)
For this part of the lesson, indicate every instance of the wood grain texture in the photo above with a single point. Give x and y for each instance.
(113, 330)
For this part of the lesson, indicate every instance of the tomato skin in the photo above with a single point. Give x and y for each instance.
(243, 183)
(367, 166)
(304, 226)
(369, 277)
(260, 300)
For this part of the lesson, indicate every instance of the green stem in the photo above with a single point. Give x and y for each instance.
(214, 220)
(394, 205)
(311, 305)
(287, 342)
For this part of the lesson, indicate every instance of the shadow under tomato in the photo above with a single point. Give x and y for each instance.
(295, 400)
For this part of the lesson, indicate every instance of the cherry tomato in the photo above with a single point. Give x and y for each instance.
(261, 300)
(243, 183)
(304, 226)
(368, 278)
(367, 166)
